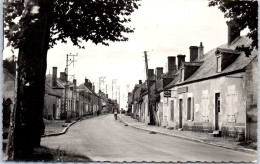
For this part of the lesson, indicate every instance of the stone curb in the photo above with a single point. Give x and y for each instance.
(65, 129)
(60, 133)
(194, 139)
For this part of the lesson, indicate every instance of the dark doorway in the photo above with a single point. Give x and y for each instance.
(217, 110)
(180, 113)
(54, 111)
(172, 110)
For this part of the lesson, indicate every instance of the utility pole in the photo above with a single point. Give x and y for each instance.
(148, 89)
(101, 80)
(118, 87)
(68, 62)
(113, 82)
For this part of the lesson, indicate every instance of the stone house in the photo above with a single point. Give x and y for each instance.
(52, 103)
(214, 91)
(59, 86)
(91, 101)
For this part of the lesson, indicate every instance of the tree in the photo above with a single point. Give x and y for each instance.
(33, 26)
(245, 14)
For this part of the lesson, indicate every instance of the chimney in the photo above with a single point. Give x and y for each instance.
(93, 88)
(140, 82)
(159, 72)
(86, 82)
(75, 84)
(63, 76)
(89, 85)
(233, 31)
(150, 73)
(181, 59)
(171, 64)
(201, 51)
(54, 76)
(193, 53)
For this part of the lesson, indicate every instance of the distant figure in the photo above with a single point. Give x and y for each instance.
(115, 111)
(98, 112)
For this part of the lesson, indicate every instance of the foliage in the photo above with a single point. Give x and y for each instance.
(245, 13)
(96, 20)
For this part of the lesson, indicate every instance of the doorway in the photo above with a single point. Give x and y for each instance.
(54, 111)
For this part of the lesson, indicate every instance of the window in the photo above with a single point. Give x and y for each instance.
(231, 97)
(218, 64)
(189, 108)
(172, 110)
(204, 105)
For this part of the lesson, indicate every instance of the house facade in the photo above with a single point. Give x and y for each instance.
(64, 100)
(215, 92)
(211, 93)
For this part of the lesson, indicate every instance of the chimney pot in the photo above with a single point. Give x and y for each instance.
(201, 51)
(93, 87)
(159, 72)
(172, 64)
(63, 76)
(150, 73)
(86, 83)
(193, 53)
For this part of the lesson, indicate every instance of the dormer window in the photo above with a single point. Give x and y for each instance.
(188, 69)
(225, 57)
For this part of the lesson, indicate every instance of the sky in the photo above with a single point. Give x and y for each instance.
(162, 27)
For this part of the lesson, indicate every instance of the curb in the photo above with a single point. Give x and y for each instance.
(195, 140)
(60, 133)
(66, 128)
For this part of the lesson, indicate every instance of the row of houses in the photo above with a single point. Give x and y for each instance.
(62, 100)
(67, 99)
(215, 92)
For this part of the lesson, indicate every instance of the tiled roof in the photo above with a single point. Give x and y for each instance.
(49, 90)
(59, 82)
(209, 65)
(82, 87)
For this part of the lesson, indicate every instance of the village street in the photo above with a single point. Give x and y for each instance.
(106, 139)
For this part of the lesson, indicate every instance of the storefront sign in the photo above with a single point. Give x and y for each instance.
(182, 90)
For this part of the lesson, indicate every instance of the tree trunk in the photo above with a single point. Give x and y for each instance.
(32, 62)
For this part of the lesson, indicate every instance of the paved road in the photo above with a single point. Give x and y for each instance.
(105, 139)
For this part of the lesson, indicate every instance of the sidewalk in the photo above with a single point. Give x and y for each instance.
(58, 127)
(229, 143)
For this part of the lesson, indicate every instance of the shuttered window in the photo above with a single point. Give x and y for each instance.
(172, 110)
